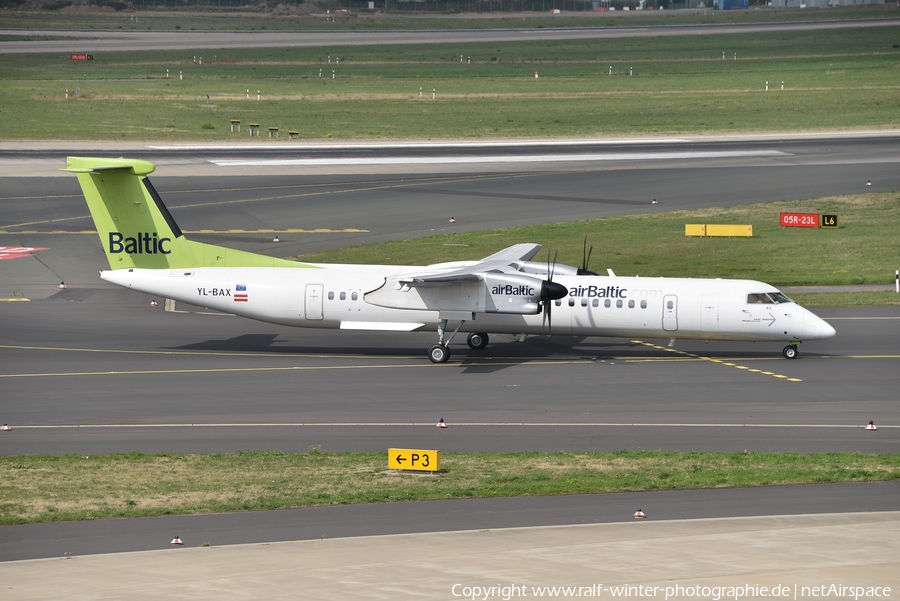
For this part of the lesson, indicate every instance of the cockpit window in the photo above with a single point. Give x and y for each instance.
(779, 298)
(766, 298)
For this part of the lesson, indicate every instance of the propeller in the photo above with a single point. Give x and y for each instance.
(551, 291)
(586, 258)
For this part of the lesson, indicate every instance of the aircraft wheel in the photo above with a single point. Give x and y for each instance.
(477, 341)
(790, 351)
(439, 353)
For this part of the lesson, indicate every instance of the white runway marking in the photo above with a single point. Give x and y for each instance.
(454, 425)
(537, 158)
(856, 318)
(383, 145)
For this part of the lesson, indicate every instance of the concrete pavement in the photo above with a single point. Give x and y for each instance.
(855, 550)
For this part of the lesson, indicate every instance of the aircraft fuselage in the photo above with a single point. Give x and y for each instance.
(345, 297)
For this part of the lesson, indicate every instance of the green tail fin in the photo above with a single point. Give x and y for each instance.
(135, 227)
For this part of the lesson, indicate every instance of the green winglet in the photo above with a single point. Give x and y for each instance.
(137, 230)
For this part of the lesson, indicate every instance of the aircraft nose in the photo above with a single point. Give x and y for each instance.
(816, 328)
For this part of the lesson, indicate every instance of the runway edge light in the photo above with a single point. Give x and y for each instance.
(5, 428)
(176, 541)
(639, 515)
(871, 427)
(441, 424)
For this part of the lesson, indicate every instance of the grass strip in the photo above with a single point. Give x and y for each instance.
(887, 298)
(532, 15)
(668, 85)
(863, 250)
(76, 487)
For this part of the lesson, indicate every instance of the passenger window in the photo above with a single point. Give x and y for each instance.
(584, 302)
(631, 304)
(559, 302)
(643, 304)
(619, 304)
(354, 296)
(607, 303)
(670, 305)
(595, 303)
(331, 296)
(343, 296)
(571, 302)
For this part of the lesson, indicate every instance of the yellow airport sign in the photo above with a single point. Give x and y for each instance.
(714, 229)
(414, 459)
(694, 229)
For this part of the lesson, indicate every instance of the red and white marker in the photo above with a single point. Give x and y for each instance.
(869, 183)
(176, 541)
(871, 427)
(441, 424)
(5, 428)
(62, 285)
(17, 252)
(639, 515)
(275, 239)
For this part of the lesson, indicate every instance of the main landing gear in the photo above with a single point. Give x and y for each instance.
(477, 341)
(790, 351)
(440, 352)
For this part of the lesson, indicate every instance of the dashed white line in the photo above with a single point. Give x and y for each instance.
(537, 158)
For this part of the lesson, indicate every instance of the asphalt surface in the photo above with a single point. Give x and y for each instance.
(410, 199)
(93, 41)
(92, 355)
(233, 384)
(32, 541)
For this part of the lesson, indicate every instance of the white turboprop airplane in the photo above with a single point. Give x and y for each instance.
(503, 293)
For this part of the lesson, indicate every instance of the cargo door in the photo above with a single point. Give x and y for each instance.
(709, 314)
(314, 300)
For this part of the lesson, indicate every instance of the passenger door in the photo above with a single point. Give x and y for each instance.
(670, 312)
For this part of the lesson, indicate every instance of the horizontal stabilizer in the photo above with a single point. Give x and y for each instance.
(91, 164)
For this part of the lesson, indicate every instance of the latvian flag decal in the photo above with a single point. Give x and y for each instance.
(240, 293)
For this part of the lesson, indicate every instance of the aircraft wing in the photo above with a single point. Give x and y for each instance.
(499, 262)
(493, 285)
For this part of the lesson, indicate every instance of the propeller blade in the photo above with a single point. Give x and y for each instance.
(585, 258)
(550, 292)
(549, 305)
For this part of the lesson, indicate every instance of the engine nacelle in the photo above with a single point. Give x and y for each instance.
(511, 293)
(492, 292)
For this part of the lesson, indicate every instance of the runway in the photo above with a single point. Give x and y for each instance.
(93, 41)
(93, 369)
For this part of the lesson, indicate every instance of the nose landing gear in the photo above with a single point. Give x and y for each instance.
(790, 351)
